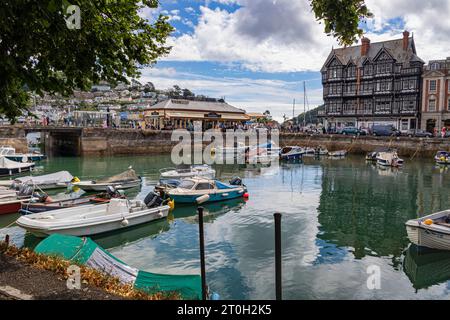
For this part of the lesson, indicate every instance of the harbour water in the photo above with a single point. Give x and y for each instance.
(340, 217)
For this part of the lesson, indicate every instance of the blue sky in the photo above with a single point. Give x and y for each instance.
(257, 53)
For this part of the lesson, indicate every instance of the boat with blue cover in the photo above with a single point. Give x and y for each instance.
(200, 190)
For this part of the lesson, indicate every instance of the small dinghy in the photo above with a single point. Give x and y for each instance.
(10, 153)
(200, 190)
(442, 158)
(9, 167)
(432, 231)
(389, 159)
(45, 182)
(188, 171)
(292, 153)
(124, 180)
(337, 154)
(95, 219)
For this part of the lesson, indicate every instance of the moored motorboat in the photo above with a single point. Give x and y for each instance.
(442, 158)
(95, 219)
(432, 231)
(201, 190)
(292, 153)
(188, 171)
(9, 167)
(337, 154)
(124, 180)
(389, 159)
(10, 153)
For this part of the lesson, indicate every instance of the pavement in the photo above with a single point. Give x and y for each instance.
(19, 281)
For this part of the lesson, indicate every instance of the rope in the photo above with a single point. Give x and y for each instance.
(11, 224)
(415, 153)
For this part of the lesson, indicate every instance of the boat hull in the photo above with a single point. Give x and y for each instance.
(19, 158)
(103, 186)
(213, 197)
(10, 172)
(81, 228)
(8, 208)
(424, 237)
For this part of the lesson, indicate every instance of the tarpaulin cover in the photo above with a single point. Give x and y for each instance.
(84, 251)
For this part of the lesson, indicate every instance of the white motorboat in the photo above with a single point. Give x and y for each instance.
(45, 182)
(200, 190)
(9, 167)
(189, 171)
(93, 219)
(124, 180)
(389, 159)
(432, 231)
(10, 153)
(236, 150)
(292, 153)
(337, 154)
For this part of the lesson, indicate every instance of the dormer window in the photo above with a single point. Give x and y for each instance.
(435, 66)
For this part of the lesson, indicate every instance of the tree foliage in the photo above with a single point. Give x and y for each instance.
(38, 52)
(342, 18)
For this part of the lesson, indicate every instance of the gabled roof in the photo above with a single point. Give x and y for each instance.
(393, 47)
(193, 105)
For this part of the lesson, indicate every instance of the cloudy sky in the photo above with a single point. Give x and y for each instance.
(257, 53)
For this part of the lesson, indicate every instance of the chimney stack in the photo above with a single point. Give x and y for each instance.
(365, 46)
(405, 40)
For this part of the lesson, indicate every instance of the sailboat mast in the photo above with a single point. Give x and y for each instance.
(304, 104)
(293, 110)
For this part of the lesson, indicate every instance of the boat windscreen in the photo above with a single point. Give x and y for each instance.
(186, 184)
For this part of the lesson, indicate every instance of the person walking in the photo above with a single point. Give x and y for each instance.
(443, 132)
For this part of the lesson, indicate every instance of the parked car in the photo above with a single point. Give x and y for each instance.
(385, 131)
(353, 131)
(418, 133)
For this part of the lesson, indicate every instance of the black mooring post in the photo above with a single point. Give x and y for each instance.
(202, 251)
(278, 285)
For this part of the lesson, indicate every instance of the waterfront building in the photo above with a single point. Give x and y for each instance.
(373, 83)
(436, 95)
(180, 113)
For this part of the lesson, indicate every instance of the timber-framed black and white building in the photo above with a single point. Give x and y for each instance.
(373, 83)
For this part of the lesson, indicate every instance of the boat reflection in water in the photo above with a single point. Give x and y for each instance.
(211, 211)
(426, 267)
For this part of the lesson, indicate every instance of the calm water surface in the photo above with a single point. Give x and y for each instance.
(339, 218)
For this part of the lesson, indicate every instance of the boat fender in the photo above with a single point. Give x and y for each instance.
(215, 296)
(246, 195)
(202, 199)
(124, 223)
(171, 204)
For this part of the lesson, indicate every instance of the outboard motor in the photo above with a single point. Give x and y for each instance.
(153, 200)
(236, 181)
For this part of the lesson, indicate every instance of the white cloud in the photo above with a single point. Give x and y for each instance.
(283, 35)
(262, 35)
